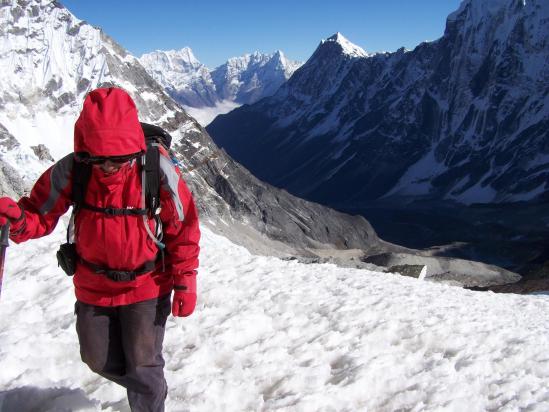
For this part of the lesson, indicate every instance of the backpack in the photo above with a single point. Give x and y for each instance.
(155, 136)
(67, 257)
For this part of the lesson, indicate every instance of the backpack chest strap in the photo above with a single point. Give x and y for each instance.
(111, 211)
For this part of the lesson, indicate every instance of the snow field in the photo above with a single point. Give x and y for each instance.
(270, 334)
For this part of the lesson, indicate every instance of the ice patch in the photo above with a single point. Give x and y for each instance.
(54, 130)
(531, 195)
(477, 194)
(416, 180)
(149, 96)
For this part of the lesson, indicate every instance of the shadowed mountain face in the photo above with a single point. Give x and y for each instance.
(461, 120)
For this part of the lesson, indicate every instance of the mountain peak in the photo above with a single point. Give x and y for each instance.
(187, 54)
(184, 55)
(348, 48)
(337, 37)
(279, 55)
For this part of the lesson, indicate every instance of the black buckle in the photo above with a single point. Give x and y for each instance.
(110, 211)
(119, 276)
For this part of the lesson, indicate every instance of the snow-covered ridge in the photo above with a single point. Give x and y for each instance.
(278, 59)
(185, 55)
(174, 60)
(480, 9)
(45, 41)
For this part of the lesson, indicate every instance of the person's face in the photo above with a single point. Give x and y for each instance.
(109, 166)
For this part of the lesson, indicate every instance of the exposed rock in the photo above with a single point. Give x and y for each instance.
(7, 141)
(11, 183)
(42, 152)
(443, 269)
(413, 271)
(522, 287)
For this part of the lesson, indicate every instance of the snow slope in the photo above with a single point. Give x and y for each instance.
(270, 334)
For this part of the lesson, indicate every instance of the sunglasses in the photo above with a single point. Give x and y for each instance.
(99, 160)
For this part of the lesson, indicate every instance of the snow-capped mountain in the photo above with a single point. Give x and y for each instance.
(463, 118)
(206, 93)
(251, 77)
(242, 80)
(50, 59)
(185, 79)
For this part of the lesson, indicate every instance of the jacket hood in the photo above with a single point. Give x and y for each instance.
(108, 124)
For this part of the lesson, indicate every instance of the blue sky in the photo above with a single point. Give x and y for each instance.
(217, 30)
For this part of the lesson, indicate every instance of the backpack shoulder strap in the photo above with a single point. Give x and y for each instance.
(81, 173)
(150, 183)
(152, 178)
(156, 138)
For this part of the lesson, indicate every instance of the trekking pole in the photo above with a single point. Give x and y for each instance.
(4, 243)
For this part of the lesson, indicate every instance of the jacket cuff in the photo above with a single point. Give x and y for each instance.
(17, 226)
(185, 282)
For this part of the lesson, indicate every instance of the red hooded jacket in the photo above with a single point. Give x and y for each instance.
(108, 126)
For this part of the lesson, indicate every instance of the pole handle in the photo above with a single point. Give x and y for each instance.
(5, 235)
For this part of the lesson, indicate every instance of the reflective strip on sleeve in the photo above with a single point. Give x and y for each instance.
(59, 178)
(170, 182)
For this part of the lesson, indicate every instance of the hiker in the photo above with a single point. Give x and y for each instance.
(126, 258)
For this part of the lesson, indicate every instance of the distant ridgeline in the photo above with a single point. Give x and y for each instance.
(243, 80)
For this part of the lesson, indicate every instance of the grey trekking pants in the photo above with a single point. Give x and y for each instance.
(124, 345)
